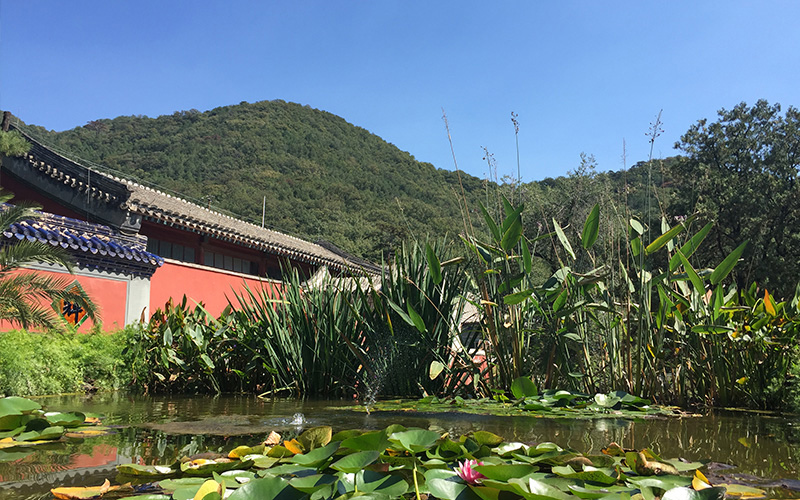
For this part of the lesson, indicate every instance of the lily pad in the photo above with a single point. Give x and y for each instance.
(150, 471)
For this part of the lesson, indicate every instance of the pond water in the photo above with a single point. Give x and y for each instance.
(158, 430)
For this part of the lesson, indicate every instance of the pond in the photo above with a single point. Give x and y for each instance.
(154, 430)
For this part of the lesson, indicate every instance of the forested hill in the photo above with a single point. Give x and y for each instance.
(323, 178)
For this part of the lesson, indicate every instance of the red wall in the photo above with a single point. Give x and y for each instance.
(108, 295)
(210, 286)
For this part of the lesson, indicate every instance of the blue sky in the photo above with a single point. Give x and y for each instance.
(582, 75)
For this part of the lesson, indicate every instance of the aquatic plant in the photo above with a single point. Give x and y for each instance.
(400, 462)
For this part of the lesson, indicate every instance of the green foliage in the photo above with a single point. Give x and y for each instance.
(12, 143)
(741, 172)
(413, 462)
(356, 190)
(60, 362)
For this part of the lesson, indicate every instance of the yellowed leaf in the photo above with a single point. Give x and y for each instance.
(209, 486)
(83, 493)
(294, 446)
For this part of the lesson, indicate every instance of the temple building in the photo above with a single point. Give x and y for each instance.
(136, 247)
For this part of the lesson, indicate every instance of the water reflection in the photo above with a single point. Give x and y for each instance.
(762, 445)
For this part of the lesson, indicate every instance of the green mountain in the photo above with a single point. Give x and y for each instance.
(323, 178)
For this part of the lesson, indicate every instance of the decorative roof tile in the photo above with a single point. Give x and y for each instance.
(85, 240)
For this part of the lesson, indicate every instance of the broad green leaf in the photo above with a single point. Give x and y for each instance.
(591, 228)
(312, 483)
(487, 438)
(684, 493)
(523, 387)
(693, 276)
(690, 246)
(517, 297)
(416, 318)
(400, 311)
(388, 484)
(435, 369)
(512, 235)
(267, 488)
(317, 456)
(563, 239)
(415, 440)
(636, 226)
(590, 474)
(170, 485)
(527, 261)
(370, 441)
(355, 461)
(726, 266)
(504, 472)
(450, 489)
(72, 419)
(433, 264)
(490, 222)
(662, 240)
(315, 437)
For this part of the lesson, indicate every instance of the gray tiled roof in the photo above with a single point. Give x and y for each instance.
(172, 210)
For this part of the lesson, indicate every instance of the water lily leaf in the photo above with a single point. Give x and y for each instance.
(742, 491)
(315, 437)
(376, 440)
(523, 387)
(606, 401)
(414, 440)
(170, 485)
(312, 483)
(207, 488)
(684, 493)
(587, 492)
(152, 496)
(355, 461)
(294, 446)
(243, 451)
(279, 451)
(267, 488)
(83, 493)
(318, 456)
(151, 471)
(388, 484)
(72, 419)
(662, 483)
(207, 467)
(450, 489)
(47, 434)
(288, 470)
(262, 462)
(589, 474)
(486, 438)
(504, 472)
(13, 432)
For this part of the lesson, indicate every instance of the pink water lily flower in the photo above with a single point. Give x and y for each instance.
(466, 472)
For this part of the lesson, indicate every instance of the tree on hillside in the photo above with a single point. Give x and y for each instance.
(742, 172)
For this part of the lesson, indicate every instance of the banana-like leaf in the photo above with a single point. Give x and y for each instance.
(726, 266)
(697, 282)
(662, 240)
(690, 246)
(433, 264)
(563, 239)
(591, 229)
